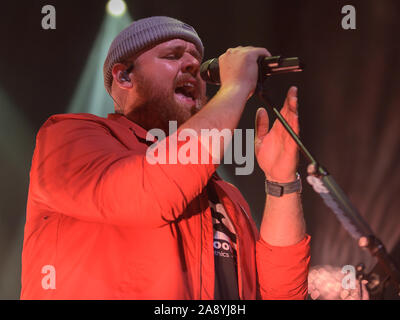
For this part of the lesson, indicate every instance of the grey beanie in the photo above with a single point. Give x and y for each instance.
(143, 34)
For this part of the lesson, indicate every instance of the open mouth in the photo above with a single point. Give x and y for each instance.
(186, 92)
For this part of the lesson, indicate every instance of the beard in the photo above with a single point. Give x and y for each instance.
(155, 106)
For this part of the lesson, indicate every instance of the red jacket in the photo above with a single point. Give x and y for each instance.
(114, 226)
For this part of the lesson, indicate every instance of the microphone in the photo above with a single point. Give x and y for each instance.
(268, 66)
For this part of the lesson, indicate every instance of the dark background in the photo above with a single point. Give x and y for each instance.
(349, 97)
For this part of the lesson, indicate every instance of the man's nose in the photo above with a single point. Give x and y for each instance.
(190, 64)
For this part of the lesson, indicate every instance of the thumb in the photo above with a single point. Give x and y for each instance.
(262, 123)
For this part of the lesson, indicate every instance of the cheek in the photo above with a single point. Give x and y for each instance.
(160, 73)
(162, 82)
(167, 71)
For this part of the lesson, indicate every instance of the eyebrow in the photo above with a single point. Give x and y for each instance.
(180, 47)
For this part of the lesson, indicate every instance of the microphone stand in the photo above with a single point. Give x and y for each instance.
(335, 198)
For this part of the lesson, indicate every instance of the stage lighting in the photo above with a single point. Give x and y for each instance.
(116, 7)
(325, 283)
(90, 95)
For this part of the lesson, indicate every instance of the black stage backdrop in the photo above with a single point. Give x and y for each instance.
(349, 97)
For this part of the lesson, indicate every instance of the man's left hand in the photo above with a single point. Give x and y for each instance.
(276, 151)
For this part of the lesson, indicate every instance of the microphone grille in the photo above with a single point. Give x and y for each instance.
(209, 71)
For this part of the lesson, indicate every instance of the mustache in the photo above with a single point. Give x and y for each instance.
(181, 79)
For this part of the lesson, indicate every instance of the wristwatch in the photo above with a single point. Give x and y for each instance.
(277, 189)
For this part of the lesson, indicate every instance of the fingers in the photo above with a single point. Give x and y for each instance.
(257, 51)
(262, 123)
(290, 110)
(291, 100)
(238, 68)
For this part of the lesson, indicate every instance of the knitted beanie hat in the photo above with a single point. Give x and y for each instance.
(143, 34)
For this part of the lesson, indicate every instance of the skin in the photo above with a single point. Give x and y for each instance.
(151, 102)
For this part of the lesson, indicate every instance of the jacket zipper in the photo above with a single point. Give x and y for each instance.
(201, 251)
(240, 278)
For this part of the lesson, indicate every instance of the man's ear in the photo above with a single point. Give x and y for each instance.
(122, 77)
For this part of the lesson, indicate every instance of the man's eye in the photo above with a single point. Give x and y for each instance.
(172, 57)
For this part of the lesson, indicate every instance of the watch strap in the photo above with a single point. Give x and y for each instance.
(277, 189)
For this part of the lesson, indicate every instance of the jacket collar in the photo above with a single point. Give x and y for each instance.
(123, 120)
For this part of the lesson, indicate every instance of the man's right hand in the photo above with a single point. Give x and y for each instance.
(239, 69)
(239, 75)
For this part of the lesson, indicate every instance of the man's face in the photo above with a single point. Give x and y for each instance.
(168, 84)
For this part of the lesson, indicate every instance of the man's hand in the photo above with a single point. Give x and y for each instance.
(239, 74)
(276, 151)
(239, 69)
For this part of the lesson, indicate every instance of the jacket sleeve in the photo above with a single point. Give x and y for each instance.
(283, 271)
(81, 170)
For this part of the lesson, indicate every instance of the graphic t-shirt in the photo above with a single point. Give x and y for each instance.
(225, 263)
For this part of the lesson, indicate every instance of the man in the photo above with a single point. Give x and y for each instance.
(105, 223)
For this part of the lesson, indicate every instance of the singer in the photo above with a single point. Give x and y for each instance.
(103, 223)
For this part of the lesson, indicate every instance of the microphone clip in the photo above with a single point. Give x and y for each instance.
(269, 66)
(276, 65)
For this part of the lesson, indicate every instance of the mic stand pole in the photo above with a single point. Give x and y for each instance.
(335, 198)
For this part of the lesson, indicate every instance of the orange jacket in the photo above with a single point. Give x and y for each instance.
(113, 226)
